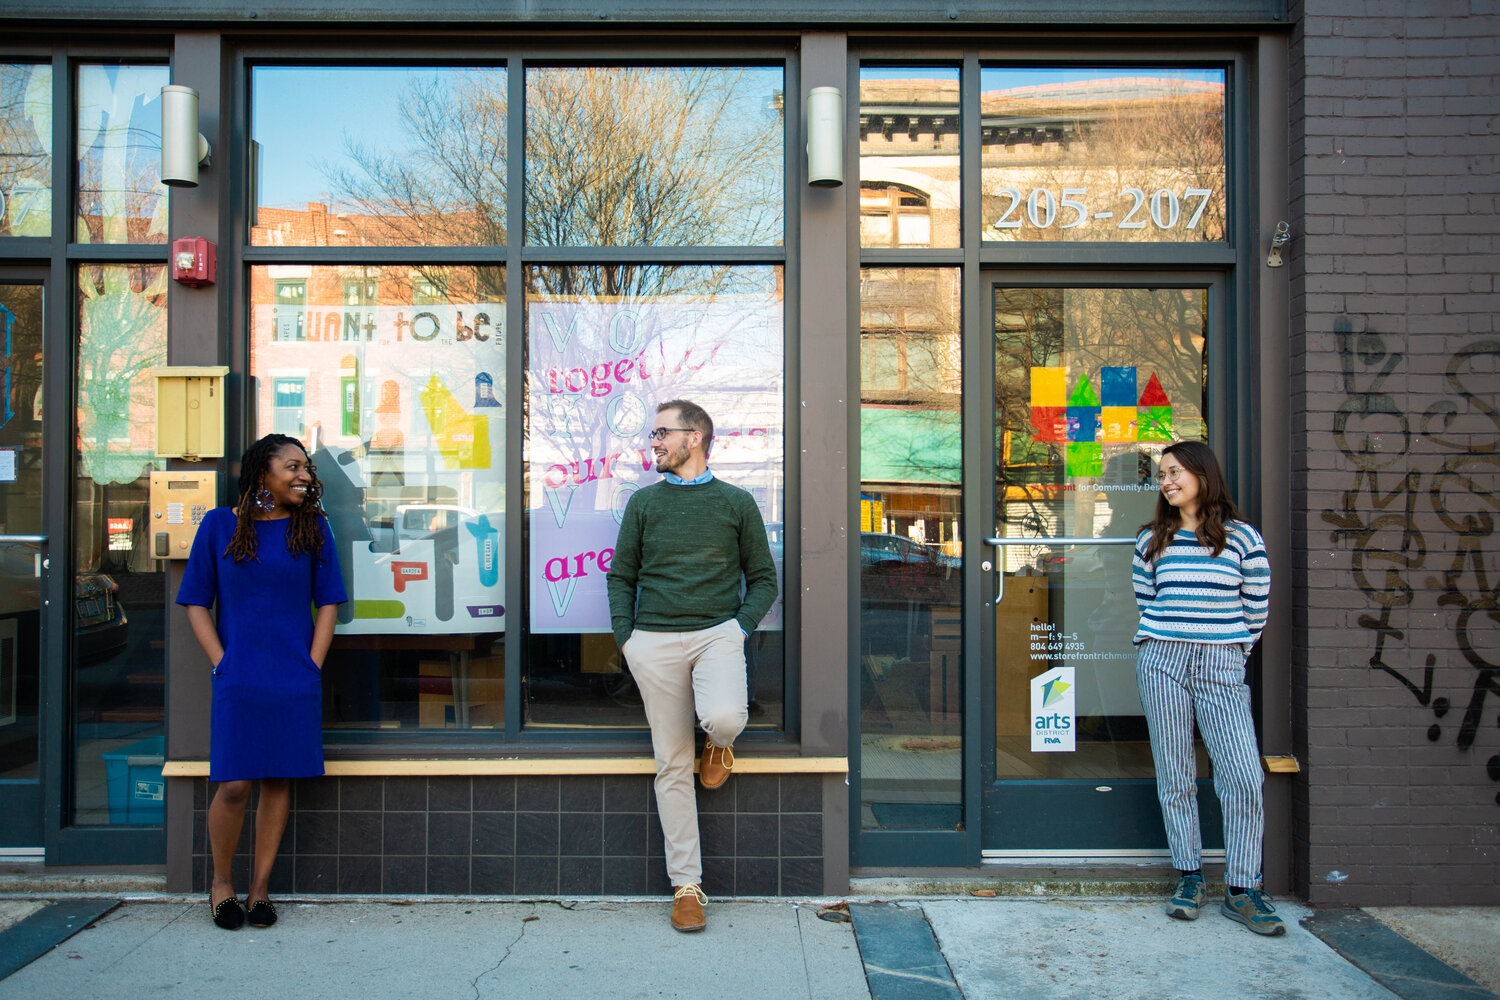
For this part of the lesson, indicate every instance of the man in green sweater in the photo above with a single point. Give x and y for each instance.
(675, 604)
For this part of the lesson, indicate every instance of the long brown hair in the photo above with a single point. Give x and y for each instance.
(304, 534)
(1215, 507)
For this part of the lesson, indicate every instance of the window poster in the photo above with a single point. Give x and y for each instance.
(597, 372)
(400, 409)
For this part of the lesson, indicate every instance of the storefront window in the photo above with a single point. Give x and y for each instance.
(25, 150)
(605, 345)
(378, 156)
(910, 556)
(1127, 154)
(399, 400)
(655, 156)
(908, 157)
(119, 590)
(121, 198)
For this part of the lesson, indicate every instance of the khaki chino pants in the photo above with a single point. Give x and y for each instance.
(685, 677)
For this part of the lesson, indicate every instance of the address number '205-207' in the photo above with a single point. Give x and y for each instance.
(1164, 209)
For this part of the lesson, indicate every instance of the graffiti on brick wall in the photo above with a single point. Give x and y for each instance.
(1420, 518)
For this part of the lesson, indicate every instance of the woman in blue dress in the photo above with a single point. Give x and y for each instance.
(269, 564)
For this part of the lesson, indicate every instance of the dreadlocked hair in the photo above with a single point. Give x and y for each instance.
(304, 535)
(1215, 507)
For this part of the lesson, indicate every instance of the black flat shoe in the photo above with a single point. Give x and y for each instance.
(229, 914)
(262, 913)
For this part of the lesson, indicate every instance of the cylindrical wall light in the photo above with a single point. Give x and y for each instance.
(825, 136)
(183, 149)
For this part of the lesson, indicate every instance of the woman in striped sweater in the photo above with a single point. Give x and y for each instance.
(1202, 582)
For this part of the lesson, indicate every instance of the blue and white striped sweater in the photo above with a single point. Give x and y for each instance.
(1190, 595)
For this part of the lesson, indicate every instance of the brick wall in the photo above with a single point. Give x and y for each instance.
(1396, 440)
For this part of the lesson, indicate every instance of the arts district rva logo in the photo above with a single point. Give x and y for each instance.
(1052, 711)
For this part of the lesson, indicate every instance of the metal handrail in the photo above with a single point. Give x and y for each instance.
(1059, 541)
(24, 539)
(1066, 540)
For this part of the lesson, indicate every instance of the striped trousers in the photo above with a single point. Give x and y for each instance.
(1179, 681)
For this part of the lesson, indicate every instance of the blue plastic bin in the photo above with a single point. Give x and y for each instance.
(137, 792)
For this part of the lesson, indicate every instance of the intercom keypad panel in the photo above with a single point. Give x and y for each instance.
(179, 501)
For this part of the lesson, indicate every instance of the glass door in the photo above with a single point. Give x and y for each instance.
(1091, 382)
(23, 562)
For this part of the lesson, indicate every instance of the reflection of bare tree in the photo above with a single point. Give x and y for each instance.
(447, 188)
(122, 336)
(1147, 134)
(653, 157)
(25, 153)
(120, 195)
(615, 157)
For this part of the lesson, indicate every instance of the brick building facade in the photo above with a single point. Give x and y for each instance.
(1395, 451)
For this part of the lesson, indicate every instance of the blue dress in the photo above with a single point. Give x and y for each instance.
(267, 719)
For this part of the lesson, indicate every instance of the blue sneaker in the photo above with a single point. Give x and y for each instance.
(1254, 910)
(1187, 897)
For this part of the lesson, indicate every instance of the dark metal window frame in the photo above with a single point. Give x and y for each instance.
(1223, 265)
(56, 260)
(769, 50)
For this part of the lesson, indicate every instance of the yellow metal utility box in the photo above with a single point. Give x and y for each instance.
(190, 412)
(178, 502)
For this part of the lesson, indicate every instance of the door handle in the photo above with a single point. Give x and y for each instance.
(999, 588)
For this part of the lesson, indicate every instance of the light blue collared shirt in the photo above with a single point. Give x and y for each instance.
(677, 480)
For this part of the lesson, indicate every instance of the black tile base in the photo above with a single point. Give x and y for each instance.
(762, 835)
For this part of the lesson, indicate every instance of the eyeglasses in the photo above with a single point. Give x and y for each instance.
(1174, 473)
(660, 433)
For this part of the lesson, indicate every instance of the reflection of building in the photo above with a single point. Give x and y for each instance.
(1020, 196)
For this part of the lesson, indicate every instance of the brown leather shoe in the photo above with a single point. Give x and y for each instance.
(687, 909)
(715, 765)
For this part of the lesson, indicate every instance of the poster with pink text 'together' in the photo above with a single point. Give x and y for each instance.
(597, 372)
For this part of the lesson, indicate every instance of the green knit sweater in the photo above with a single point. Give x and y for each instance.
(679, 557)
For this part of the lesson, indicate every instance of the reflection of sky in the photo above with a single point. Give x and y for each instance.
(302, 115)
(363, 104)
(1010, 77)
(1013, 77)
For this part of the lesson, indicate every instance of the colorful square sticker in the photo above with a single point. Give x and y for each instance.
(1117, 424)
(1085, 458)
(1049, 387)
(1049, 423)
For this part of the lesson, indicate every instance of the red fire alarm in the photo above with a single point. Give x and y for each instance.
(194, 261)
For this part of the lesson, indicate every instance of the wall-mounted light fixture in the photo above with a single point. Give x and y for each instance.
(825, 136)
(183, 147)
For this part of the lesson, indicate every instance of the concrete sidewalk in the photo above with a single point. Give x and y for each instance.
(166, 947)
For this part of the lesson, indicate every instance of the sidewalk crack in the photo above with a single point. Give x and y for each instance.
(514, 941)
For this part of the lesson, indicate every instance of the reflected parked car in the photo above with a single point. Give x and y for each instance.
(100, 626)
(893, 568)
(876, 548)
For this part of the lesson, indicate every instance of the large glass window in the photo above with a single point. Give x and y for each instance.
(121, 198)
(119, 594)
(908, 157)
(655, 156)
(398, 399)
(910, 557)
(25, 150)
(1103, 154)
(395, 375)
(605, 346)
(350, 156)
